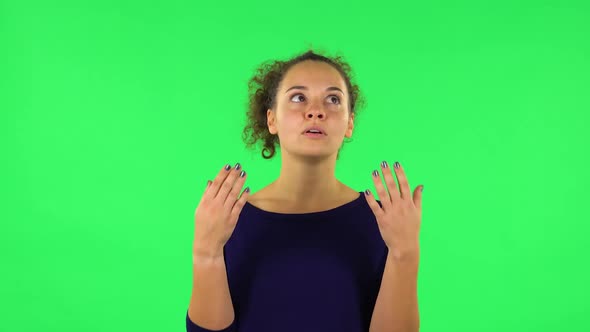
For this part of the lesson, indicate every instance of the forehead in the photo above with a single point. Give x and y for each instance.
(312, 73)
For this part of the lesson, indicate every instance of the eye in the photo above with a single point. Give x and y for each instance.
(297, 94)
(332, 96)
(338, 99)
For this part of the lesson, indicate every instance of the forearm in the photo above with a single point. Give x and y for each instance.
(210, 305)
(396, 308)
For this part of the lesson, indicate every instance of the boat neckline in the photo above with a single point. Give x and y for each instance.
(338, 209)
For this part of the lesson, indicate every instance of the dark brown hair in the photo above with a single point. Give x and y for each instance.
(262, 90)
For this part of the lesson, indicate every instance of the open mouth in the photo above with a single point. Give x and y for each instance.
(312, 134)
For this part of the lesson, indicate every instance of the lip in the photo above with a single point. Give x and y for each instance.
(314, 136)
(323, 132)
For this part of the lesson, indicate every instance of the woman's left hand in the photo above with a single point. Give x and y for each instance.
(400, 216)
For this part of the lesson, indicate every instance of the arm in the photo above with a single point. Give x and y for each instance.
(210, 306)
(396, 308)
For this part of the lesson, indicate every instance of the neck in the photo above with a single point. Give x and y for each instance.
(307, 181)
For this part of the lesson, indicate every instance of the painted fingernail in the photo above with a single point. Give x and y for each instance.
(237, 167)
(396, 165)
(375, 173)
(367, 192)
(227, 167)
(242, 173)
(384, 164)
(247, 189)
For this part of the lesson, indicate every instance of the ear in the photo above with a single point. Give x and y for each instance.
(270, 121)
(350, 126)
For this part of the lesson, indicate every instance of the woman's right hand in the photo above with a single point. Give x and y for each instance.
(218, 211)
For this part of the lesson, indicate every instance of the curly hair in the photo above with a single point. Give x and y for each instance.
(262, 90)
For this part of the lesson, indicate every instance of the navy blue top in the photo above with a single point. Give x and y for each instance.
(317, 271)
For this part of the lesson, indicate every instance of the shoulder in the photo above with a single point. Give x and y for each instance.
(256, 197)
(261, 199)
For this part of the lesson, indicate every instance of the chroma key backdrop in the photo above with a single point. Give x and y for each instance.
(114, 114)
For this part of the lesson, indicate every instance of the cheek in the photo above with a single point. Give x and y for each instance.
(289, 117)
(288, 121)
(292, 108)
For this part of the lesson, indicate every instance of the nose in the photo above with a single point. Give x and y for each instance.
(315, 111)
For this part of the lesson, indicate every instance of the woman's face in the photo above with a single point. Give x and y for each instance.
(312, 93)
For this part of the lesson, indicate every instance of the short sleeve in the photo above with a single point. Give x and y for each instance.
(192, 327)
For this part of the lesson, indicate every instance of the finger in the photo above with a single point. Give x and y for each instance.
(381, 191)
(239, 205)
(228, 184)
(404, 185)
(213, 188)
(390, 182)
(418, 198)
(232, 197)
(373, 204)
(204, 196)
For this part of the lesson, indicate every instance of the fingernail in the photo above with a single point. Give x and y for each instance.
(375, 173)
(396, 165)
(242, 173)
(421, 188)
(247, 189)
(227, 167)
(367, 192)
(384, 164)
(237, 167)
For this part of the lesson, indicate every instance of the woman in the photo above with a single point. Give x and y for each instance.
(306, 252)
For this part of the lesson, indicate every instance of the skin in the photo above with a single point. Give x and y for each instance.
(307, 177)
(307, 174)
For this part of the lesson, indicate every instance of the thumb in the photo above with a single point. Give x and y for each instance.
(417, 198)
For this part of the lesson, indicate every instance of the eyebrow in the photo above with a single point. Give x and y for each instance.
(332, 88)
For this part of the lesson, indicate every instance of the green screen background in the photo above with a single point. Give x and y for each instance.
(115, 114)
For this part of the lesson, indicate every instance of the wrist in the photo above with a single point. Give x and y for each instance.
(207, 253)
(410, 256)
